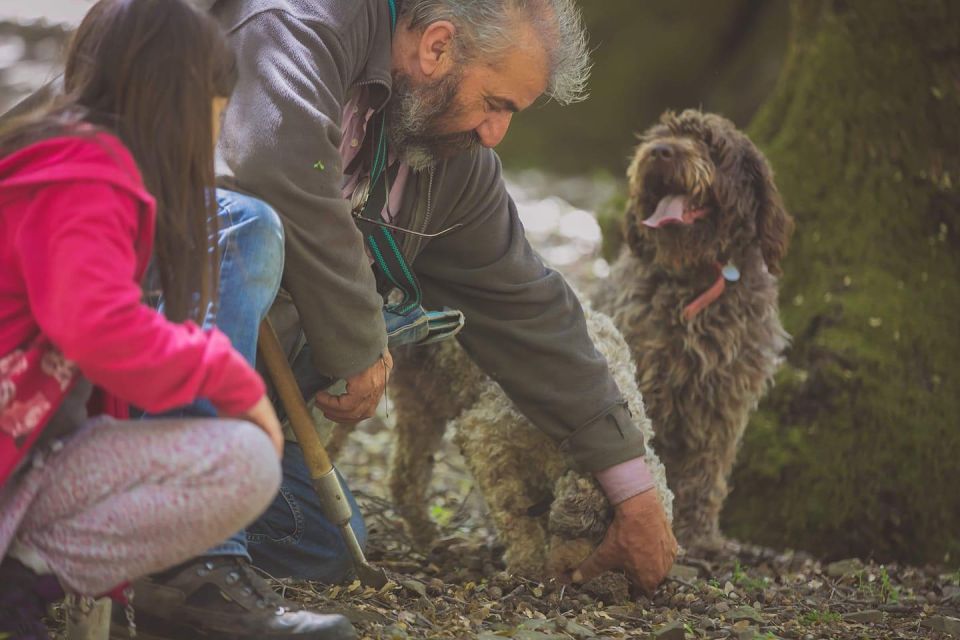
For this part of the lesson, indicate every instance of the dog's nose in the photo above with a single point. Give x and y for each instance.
(662, 151)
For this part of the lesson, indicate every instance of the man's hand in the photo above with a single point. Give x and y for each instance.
(362, 396)
(639, 540)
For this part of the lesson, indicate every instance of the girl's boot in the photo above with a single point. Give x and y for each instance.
(24, 597)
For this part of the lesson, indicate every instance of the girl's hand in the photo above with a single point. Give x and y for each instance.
(263, 415)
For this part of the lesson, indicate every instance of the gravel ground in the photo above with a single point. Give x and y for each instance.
(459, 589)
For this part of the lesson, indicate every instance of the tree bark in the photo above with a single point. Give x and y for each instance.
(857, 449)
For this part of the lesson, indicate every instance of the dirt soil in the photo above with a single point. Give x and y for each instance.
(459, 589)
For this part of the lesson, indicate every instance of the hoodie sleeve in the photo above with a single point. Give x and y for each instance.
(76, 248)
(524, 325)
(280, 140)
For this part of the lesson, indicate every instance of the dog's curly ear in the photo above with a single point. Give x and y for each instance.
(631, 228)
(774, 224)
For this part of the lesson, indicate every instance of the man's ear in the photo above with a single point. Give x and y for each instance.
(435, 52)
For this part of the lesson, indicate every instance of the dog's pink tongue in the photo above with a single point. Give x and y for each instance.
(669, 211)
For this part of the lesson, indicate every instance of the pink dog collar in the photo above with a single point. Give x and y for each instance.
(707, 297)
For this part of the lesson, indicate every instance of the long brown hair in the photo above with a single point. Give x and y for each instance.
(147, 71)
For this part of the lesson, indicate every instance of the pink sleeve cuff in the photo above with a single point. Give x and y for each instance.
(625, 480)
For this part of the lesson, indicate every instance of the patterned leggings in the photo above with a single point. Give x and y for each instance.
(122, 499)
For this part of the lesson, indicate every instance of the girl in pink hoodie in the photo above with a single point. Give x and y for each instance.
(117, 169)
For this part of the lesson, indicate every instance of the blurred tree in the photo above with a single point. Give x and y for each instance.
(857, 450)
(649, 56)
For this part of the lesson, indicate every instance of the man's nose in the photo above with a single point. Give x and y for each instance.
(492, 130)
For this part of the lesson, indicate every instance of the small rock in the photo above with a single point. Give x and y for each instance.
(747, 634)
(528, 634)
(721, 607)
(576, 630)
(809, 636)
(609, 587)
(745, 613)
(536, 624)
(673, 631)
(943, 624)
(869, 616)
(684, 572)
(395, 632)
(495, 593)
(416, 586)
(932, 597)
(844, 568)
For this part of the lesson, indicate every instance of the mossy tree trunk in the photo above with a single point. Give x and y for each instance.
(857, 449)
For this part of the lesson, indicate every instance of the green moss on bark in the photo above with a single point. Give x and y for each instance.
(857, 449)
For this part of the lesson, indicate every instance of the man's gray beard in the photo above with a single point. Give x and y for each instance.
(414, 113)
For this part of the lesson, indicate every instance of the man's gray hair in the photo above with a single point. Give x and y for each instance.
(488, 28)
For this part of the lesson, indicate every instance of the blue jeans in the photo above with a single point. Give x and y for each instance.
(292, 538)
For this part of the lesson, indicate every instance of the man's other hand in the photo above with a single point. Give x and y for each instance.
(639, 541)
(362, 396)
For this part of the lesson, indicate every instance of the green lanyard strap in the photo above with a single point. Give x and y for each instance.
(392, 268)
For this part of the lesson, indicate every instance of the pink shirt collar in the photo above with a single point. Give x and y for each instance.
(354, 118)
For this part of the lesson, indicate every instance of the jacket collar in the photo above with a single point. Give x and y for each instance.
(377, 71)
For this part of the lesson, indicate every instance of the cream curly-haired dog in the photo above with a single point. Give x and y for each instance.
(694, 292)
(548, 516)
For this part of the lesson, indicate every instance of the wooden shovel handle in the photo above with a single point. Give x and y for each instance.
(318, 462)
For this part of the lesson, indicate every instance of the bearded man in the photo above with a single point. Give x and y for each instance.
(416, 93)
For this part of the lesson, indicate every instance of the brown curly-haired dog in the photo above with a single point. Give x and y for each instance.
(694, 292)
(548, 516)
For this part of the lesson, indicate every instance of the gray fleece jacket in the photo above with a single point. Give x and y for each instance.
(299, 61)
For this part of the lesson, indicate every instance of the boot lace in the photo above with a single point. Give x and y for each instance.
(255, 586)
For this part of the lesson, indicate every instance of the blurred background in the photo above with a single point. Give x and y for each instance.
(722, 56)
(856, 103)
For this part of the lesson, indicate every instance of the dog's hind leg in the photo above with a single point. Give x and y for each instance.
(418, 438)
(430, 386)
(505, 456)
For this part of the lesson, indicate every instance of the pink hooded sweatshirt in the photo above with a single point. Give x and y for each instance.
(76, 234)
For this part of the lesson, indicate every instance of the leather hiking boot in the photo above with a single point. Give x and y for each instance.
(24, 597)
(222, 598)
